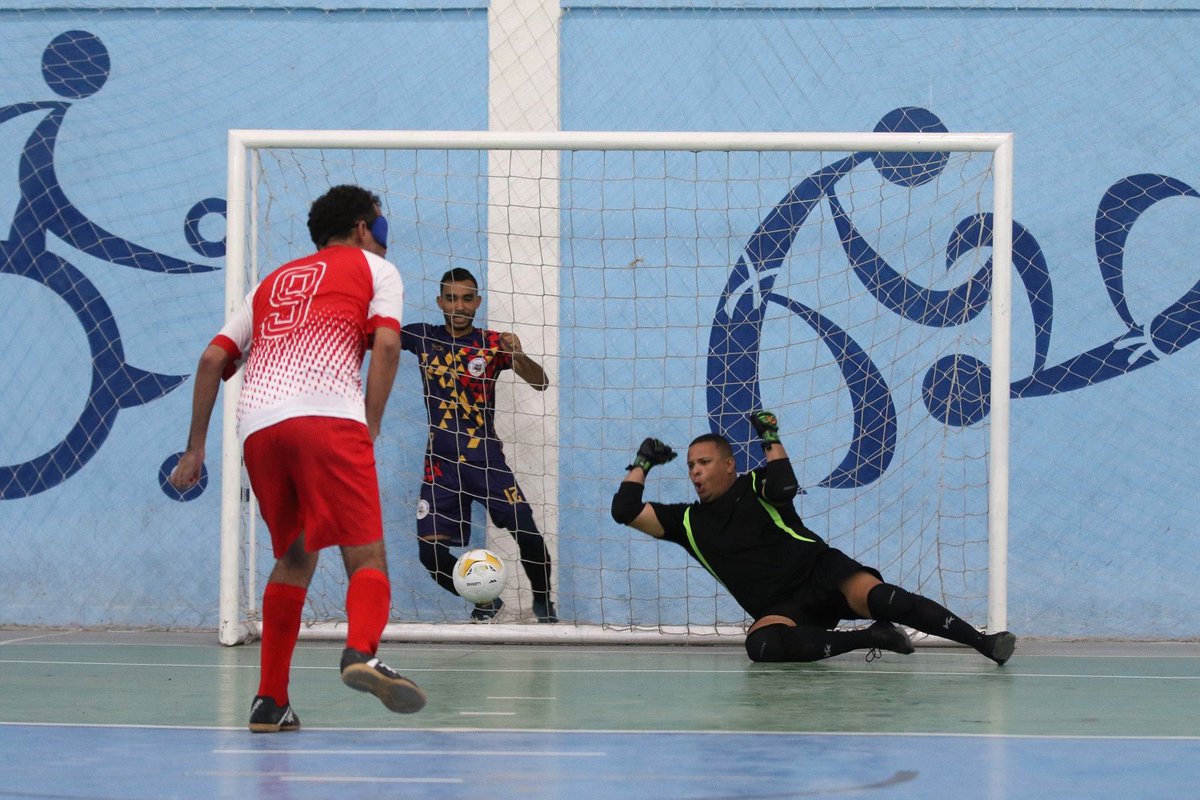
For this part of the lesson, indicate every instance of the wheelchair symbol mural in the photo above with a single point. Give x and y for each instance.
(75, 66)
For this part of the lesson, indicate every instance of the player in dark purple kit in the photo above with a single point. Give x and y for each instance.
(464, 462)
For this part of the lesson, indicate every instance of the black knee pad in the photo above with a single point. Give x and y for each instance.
(889, 603)
(780, 642)
(766, 643)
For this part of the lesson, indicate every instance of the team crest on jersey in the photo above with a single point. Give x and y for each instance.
(422, 509)
(476, 366)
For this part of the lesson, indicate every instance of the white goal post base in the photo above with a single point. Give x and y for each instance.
(467, 633)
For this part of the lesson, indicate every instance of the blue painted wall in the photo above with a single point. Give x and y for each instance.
(1104, 541)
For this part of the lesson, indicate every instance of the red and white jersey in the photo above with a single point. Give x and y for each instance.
(305, 329)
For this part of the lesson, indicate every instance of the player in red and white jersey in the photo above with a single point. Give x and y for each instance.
(308, 429)
(318, 311)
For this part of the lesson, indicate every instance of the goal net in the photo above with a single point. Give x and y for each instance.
(855, 284)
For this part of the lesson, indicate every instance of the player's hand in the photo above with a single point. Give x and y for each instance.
(510, 343)
(652, 453)
(766, 424)
(187, 472)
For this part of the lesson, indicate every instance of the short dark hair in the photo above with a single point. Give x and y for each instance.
(723, 445)
(458, 275)
(334, 214)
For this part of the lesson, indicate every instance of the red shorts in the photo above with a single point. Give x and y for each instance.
(316, 476)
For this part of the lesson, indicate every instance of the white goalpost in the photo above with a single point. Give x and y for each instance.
(858, 284)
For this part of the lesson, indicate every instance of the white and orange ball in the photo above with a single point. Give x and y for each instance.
(480, 576)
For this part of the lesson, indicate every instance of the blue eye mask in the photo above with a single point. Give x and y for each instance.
(379, 229)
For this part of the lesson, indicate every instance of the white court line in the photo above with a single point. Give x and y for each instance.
(361, 779)
(151, 664)
(487, 713)
(625, 732)
(502, 697)
(402, 752)
(118, 644)
(867, 672)
(1155, 650)
(37, 638)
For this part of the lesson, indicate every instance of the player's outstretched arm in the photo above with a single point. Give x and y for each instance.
(212, 364)
(526, 368)
(628, 507)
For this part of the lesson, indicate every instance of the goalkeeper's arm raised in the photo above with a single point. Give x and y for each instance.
(779, 485)
(628, 508)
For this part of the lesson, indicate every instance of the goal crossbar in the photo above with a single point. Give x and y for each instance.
(248, 139)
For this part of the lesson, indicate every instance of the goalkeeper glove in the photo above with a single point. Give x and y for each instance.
(652, 453)
(767, 426)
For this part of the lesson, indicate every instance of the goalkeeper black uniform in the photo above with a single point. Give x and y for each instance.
(745, 531)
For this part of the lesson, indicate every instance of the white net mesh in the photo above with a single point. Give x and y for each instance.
(847, 291)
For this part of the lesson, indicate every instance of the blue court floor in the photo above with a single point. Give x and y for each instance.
(111, 715)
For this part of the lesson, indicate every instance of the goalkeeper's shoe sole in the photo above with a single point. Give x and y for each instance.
(266, 716)
(366, 673)
(1000, 647)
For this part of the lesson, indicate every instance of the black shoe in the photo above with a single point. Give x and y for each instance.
(366, 673)
(486, 612)
(266, 716)
(544, 610)
(999, 646)
(886, 636)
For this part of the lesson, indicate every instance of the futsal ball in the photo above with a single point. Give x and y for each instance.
(479, 576)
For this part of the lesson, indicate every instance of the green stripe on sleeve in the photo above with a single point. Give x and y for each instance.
(687, 528)
(774, 513)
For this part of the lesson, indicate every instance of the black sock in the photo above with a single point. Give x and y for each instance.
(536, 561)
(439, 561)
(893, 604)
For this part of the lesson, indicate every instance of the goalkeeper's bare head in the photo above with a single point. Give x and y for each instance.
(711, 467)
(459, 299)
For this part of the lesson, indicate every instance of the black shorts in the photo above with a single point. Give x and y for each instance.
(819, 602)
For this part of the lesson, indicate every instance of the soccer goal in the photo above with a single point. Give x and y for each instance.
(857, 284)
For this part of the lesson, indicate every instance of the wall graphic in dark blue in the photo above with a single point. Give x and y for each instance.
(75, 66)
(956, 388)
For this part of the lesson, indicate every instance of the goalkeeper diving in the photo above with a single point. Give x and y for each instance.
(745, 531)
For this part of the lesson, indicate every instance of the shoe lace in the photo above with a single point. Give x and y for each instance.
(385, 669)
(873, 654)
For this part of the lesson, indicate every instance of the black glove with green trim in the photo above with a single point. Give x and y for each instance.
(767, 426)
(652, 453)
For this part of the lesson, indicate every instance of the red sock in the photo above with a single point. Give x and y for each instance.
(282, 607)
(368, 605)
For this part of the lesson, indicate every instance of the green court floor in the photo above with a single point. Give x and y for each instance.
(1125, 717)
(1128, 689)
